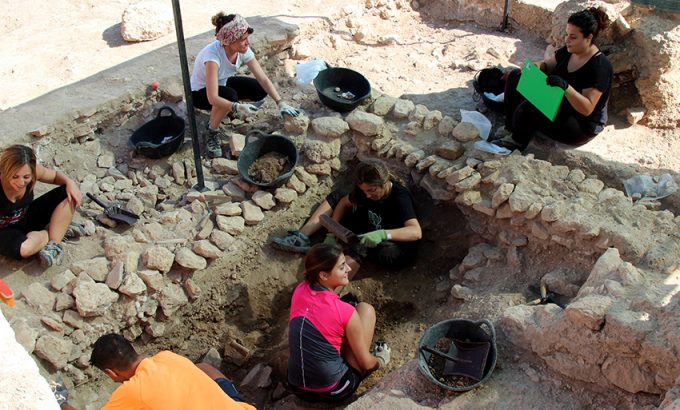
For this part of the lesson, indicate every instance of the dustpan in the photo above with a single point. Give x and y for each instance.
(472, 359)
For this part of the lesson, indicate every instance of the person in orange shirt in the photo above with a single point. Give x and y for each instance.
(164, 381)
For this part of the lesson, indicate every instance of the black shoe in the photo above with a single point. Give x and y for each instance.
(510, 144)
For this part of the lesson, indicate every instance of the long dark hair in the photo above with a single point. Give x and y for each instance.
(320, 258)
(590, 21)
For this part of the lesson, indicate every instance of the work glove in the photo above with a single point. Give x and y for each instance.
(382, 352)
(557, 81)
(330, 239)
(244, 109)
(60, 391)
(284, 109)
(373, 239)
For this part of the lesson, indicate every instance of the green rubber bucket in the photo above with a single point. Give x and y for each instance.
(473, 345)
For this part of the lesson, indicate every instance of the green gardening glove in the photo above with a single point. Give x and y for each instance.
(330, 239)
(373, 239)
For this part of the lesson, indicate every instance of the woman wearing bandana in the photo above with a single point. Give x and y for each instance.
(215, 85)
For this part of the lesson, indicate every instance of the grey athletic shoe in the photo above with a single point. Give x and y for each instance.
(212, 143)
(51, 254)
(76, 230)
(295, 241)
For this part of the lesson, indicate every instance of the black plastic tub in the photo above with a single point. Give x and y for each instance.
(333, 82)
(161, 136)
(259, 143)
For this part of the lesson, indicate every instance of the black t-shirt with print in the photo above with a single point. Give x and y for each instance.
(595, 73)
(389, 213)
(11, 213)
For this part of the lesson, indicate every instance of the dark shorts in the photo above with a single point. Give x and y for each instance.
(228, 387)
(236, 89)
(347, 385)
(37, 217)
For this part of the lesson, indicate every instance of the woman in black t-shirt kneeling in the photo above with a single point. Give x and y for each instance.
(585, 75)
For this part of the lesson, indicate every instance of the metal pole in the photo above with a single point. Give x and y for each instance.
(200, 186)
(506, 11)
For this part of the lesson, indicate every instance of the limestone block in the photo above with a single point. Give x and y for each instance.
(236, 144)
(233, 225)
(64, 301)
(96, 268)
(186, 258)
(329, 127)
(402, 108)
(588, 311)
(229, 209)
(73, 319)
(504, 212)
(435, 189)
(484, 207)
(56, 350)
(258, 377)
(471, 182)
(252, 214)
(171, 298)
(502, 194)
(295, 184)
(152, 279)
(24, 334)
(413, 158)
(296, 125)
(446, 126)
(148, 195)
(634, 114)
(132, 285)
(469, 198)
(413, 128)
(234, 192)
(365, 123)
(286, 195)
(418, 114)
(564, 241)
(451, 150)
(323, 169)
(432, 119)
(115, 276)
(319, 151)
(306, 178)
(382, 105)
(576, 176)
(135, 205)
(39, 297)
(591, 186)
(224, 166)
(553, 212)
(533, 211)
(93, 299)
(460, 175)
(146, 20)
(206, 249)
(539, 230)
(465, 131)
(61, 279)
(627, 374)
(192, 289)
(158, 258)
(221, 239)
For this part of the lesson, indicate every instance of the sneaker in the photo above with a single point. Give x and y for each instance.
(212, 142)
(51, 254)
(75, 230)
(509, 143)
(295, 241)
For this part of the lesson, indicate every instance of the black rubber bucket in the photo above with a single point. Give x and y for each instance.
(471, 332)
(332, 82)
(161, 136)
(259, 143)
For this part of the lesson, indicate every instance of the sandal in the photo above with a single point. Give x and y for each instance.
(295, 241)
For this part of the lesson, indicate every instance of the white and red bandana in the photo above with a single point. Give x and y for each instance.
(233, 31)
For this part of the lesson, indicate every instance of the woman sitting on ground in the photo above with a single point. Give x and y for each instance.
(29, 226)
(379, 209)
(585, 75)
(216, 87)
(329, 339)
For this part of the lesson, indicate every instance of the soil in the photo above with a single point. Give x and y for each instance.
(247, 292)
(268, 167)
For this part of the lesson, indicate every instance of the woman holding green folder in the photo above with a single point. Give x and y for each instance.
(585, 75)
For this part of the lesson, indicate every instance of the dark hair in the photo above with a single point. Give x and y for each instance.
(220, 19)
(320, 258)
(15, 157)
(371, 172)
(113, 351)
(590, 21)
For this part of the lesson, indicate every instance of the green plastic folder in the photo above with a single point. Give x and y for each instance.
(532, 86)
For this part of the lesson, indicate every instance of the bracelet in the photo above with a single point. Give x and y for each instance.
(234, 107)
(389, 236)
